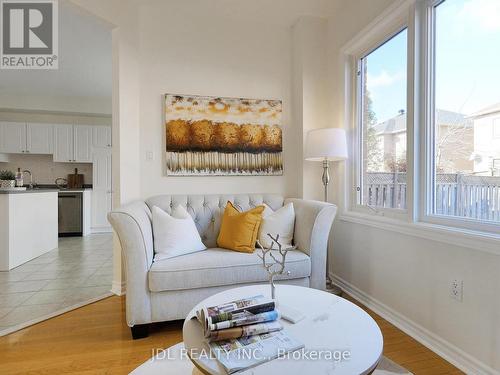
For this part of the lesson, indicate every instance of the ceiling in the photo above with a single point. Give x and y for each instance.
(84, 61)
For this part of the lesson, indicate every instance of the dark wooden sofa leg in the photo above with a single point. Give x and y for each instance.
(140, 331)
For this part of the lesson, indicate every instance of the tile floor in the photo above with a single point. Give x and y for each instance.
(78, 271)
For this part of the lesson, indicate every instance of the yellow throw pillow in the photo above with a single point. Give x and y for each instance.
(239, 230)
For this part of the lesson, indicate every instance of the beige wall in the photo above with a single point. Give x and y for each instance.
(309, 97)
(243, 48)
(410, 276)
(229, 48)
(226, 48)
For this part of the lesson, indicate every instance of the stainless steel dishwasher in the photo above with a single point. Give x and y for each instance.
(70, 213)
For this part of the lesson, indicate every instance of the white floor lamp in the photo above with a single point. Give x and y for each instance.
(326, 145)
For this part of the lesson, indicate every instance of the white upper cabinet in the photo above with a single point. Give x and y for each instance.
(101, 136)
(12, 137)
(22, 138)
(39, 138)
(63, 143)
(82, 143)
(69, 143)
(73, 143)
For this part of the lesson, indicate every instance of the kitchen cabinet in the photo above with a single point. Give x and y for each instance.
(82, 136)
(102, 193)
(28, 226)
(21, 138)
(12, 137)
(73, 143)
(63, 143)
(39, 138)
(101, 136)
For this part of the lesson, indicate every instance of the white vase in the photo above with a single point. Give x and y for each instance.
(7, 183)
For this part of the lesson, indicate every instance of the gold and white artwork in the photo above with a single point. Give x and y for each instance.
(208, 135)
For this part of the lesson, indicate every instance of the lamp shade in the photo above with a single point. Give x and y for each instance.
(326, 144)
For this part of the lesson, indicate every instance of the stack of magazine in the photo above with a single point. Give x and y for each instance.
(245, 333)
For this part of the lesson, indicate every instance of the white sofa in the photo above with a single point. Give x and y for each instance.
(168, 289)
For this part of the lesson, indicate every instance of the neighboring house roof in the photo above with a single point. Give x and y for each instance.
(397, 124)
(393, 125)
(492, 109)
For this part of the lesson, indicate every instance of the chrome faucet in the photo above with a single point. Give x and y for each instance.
(31, 177)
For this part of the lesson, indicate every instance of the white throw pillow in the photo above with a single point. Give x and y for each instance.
(174, 234)
(276, 222)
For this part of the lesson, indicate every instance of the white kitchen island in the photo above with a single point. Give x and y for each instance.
(28, 225)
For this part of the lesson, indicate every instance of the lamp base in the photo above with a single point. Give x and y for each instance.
(331, 288)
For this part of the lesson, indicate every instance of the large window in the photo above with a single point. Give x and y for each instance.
(423, 93)
(381, 103)
(466, 90)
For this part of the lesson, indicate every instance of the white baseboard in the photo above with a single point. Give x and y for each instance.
(438, 345)
(118, 288)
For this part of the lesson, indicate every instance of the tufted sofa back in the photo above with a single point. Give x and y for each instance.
(207, 210)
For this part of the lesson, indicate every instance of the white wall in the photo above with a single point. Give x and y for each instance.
(226, 48)
(74, 104)
(82, 82)
(310, 96)
(411, 276)
(222, 48)
(248, 49)
(52, 117)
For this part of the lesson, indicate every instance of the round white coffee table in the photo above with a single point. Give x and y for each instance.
(332, 325)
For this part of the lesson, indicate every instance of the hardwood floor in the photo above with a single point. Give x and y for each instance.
(96, 340)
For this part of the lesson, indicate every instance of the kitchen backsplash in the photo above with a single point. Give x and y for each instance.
(44, 170)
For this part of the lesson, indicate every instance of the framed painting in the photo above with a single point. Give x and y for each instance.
(214, 136)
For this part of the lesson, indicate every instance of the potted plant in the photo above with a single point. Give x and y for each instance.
(7, 179)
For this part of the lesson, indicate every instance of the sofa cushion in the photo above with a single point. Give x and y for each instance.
(238, 230)
(216, 267)
(207, 210)
(174, 235)
(277, 223)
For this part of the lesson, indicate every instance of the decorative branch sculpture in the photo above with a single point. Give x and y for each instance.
(278, 267)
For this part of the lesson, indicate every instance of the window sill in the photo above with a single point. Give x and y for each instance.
(487, 242)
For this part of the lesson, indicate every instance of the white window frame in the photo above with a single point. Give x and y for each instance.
(416, 221)
(427, 152)
(368, 41)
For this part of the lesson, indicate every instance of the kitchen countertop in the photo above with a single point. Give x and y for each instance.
(28, 191)
(73, 190)
(45, 190)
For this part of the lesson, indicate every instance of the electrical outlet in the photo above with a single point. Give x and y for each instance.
(457, 290)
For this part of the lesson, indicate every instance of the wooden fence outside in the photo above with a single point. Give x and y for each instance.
(476, 197)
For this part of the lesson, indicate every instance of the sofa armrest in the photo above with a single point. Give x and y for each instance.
(313, 222)
(132, 224)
